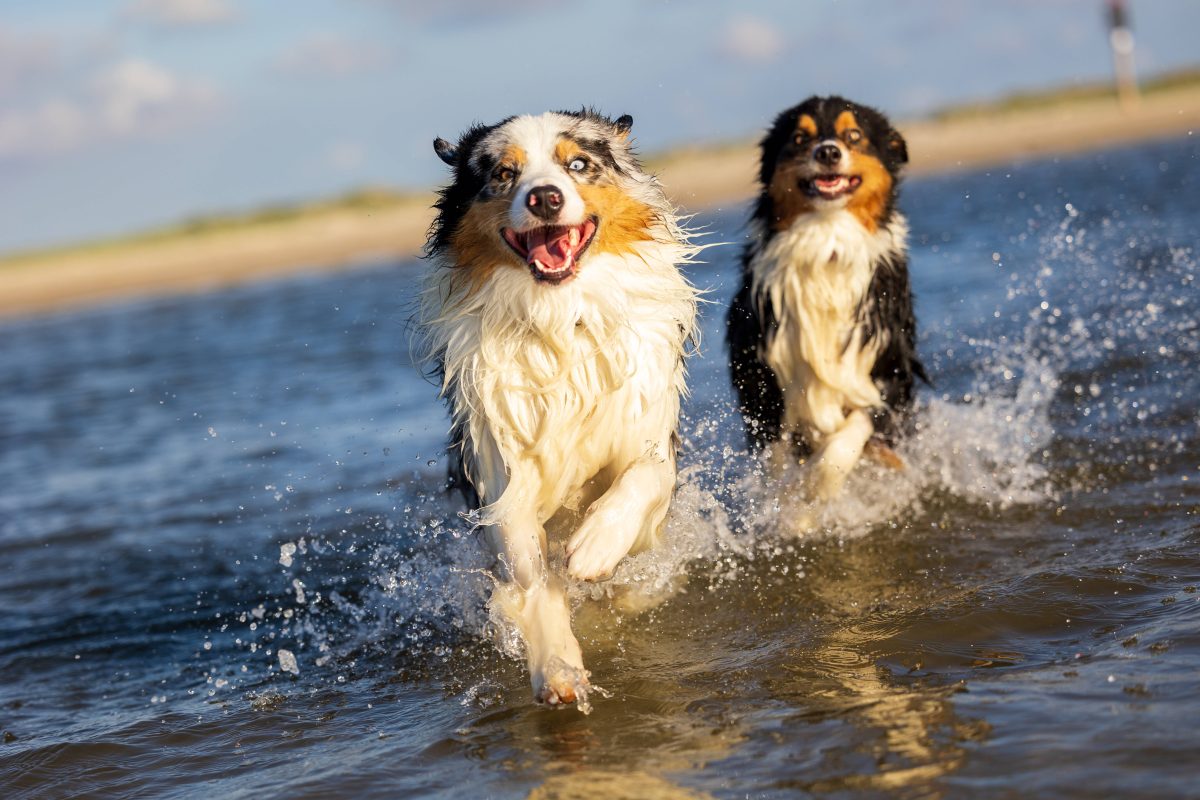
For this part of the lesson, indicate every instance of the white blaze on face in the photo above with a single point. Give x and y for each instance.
(538, 137)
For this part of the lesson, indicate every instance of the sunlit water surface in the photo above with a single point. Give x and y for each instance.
(230, 569)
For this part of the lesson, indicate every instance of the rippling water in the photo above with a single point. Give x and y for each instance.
(229, 569)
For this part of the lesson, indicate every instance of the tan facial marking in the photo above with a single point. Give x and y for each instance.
(788, 200)
(476, 245)
(565, 150)
(807, 125)
(624, 221)
(870, 199)
(514, 157)
(845, 122)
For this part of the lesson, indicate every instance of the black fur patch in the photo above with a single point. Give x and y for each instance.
(759, 396)
(887, 311)
(600, 150)
(456, 471)
(601, 153)
(455, 199)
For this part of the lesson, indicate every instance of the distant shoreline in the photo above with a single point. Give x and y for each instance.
(697, 179)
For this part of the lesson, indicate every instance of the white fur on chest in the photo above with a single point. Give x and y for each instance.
(556, 385)
(816, 275)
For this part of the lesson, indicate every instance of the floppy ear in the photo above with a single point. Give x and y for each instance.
(624, 123)
(446, 151)
(896, 147)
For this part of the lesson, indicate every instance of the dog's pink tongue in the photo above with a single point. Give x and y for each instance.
(551, 246)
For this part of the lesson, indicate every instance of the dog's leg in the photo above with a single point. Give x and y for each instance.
(527, 595)
(839, 453)
(535, 601)
(629, 513)
(543, 616)
(830, 467)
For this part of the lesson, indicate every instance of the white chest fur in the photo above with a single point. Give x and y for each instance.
(815, 276)
(553, 386)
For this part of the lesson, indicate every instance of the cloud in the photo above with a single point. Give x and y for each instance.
(751, 40)
(336, 56)
(136, 96)
(131, 99)
(181, 13)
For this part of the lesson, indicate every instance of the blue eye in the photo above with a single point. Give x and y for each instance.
(577, 165)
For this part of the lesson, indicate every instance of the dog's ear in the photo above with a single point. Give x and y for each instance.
(896, 147)
(623, 124)
(769, 148)
(445, 151)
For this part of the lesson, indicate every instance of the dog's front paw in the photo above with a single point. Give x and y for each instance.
(559, 683)
(595, 550)
(560, 696)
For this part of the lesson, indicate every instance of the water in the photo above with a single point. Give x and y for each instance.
(229, 569)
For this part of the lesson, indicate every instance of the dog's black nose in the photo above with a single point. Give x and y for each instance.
(827, 154)
(544, 201)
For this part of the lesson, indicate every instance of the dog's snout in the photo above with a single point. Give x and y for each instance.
(544, 201)
(827, 154)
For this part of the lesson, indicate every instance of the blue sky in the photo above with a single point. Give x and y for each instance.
(115, 116)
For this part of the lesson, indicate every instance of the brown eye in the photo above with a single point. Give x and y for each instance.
(800, 138)
(853, 136)
(502, 175)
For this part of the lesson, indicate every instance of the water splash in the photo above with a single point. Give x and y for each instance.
(1064, 322)
(426, 580)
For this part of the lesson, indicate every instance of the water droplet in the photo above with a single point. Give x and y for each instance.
(287, 662)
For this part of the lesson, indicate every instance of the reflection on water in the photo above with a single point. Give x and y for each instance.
(191, 487)
(915, 734)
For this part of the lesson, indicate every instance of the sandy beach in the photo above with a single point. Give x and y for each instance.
(697, 178)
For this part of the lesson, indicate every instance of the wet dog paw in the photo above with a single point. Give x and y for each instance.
(551, 696)
(595, 550)
(561, 684)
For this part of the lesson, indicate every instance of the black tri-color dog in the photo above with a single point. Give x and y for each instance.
(822, 336)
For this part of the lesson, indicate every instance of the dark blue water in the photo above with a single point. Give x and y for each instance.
(192, 487)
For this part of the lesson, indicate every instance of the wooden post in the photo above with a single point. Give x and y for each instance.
(1120, 38)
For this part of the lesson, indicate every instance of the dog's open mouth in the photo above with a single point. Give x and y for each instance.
(831, 187)
(552, 251)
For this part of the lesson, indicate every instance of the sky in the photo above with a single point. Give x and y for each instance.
(120, 115)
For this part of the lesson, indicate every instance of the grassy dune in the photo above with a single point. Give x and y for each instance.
(372, 224)
(365, 201)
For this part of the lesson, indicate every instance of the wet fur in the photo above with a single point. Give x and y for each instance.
(563, 398)
(822, 335)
